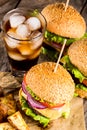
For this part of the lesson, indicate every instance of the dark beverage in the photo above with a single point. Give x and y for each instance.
(23, 38)
(22, 65)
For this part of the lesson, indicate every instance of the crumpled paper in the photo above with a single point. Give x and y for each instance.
(8, 83)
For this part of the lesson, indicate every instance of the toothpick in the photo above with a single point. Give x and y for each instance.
(67, 3)
(61, 52)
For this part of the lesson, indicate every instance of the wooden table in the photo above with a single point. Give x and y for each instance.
(6, 5)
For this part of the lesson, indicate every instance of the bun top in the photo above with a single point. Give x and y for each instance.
(67, 23)
(50, 86)
(78, 55)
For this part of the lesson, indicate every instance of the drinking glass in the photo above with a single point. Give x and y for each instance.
(23, 33)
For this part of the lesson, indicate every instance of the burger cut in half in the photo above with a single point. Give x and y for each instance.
(45, 95)
(76, 63)
(62, 25)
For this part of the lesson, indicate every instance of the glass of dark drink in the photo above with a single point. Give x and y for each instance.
(23, 36)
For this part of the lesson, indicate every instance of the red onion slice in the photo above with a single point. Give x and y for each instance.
(34, 103)
(24, 88)
(31, 101)
(56, 45)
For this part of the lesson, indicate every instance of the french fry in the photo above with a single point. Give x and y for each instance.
(7, 106)
(17, 121)
(6, 126)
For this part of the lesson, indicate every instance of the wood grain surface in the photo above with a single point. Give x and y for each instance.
(6, 5)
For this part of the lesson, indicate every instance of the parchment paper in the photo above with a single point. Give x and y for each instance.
(74, 122)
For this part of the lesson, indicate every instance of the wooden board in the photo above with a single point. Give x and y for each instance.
(7, 5)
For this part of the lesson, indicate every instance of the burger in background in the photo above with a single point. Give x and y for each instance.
(46, 95)
(63, 25)
(76, 63)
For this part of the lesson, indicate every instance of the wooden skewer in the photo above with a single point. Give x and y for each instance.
(61, 52)
(67, 3)
(62, 49)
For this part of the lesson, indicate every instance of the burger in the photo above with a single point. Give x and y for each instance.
(76, 63)
(62, 25)
(46, 95)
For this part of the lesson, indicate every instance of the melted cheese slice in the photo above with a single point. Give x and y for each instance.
(53, 113)
(56, 112)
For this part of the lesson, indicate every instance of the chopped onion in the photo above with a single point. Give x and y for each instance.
(31, 101)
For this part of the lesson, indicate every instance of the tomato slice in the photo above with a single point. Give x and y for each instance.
(24, 79)
(52, 106)
(85, 82)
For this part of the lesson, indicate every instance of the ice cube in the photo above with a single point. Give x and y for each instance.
(35, 54)
(16, 19)
(25, 49)
(34, 23)
(16, 56)
(11, 42)
(23, 31)
(37, 39)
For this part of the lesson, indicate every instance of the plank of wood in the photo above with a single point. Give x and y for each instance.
(84, 12)
(42, 3)
(7, 5)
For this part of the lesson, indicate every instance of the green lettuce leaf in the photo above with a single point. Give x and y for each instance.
(58, 39)
(72, 69)
(32, 93)
(65, 114)
(52, 54)
(29, 112)
(81, 86)
(34, 13)
(51, 37)
(84, 36)
(76, 94)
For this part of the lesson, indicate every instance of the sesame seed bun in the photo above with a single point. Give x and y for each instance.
(67, 23)
(78, 55)
(52, 87)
